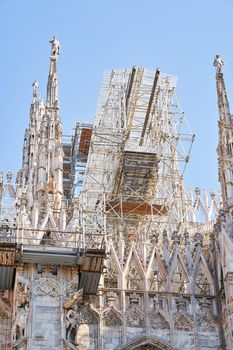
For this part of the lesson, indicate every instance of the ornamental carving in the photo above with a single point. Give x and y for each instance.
(135, 319)
(134, 279)
(110, 276)
(111, 319)
(111, 298)
(184, 323)
(206, 324)
(47, 286)
(159, 322)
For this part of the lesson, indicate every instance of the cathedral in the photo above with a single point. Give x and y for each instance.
(102, 247)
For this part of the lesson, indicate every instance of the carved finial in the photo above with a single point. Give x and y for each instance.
(217, 230)
(176, 238)
(111, 298)
(198, 191)
(9, 176)
(205, 304)
(212, 239)
(155, 238)
(35, 86)
(218, 63)
(55, 47)
(212, 194)
(165, 248)
(181, 304)
(134, 298)
(165, 237)
(186, 238)
(198, 240)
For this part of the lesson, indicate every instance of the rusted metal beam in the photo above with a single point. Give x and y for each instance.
(149, 105)
(129, 87)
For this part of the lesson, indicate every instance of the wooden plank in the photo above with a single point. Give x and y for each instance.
(136, 208)
(85, 140)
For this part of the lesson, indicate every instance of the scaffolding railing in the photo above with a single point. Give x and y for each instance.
(59, 239)
(8, 236)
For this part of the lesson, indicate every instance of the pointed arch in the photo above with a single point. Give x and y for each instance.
(213, 209)
(207, 331)
(202, 276)
(183, 323)
(112, 317)
(113, 332)
(134, 274)
(156, 273)
(84, 330)
(140, 343)
(113, 272)
(178, 275)
(201, 210)
(159, 320)
(135, 318)
(48, 219)
(207, 323)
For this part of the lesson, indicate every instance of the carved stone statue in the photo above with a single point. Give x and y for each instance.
(35, 86)
(51, 185)
(55, 47)
(22, 301)
(218, 62)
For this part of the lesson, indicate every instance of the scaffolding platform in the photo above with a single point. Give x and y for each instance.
(138, 172)
(7, 259)
(30, 254)
(91, 270)
(89, 260)
(138, 208)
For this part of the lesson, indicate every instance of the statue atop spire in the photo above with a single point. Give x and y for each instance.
(55, 47)
(52, 86)
(35, 86)
(218, 63)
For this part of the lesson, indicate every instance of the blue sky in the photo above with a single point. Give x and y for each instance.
(179, 36)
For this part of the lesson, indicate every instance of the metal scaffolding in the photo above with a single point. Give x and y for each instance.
(139, 148)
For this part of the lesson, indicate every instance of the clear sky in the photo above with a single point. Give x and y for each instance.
(179, 36)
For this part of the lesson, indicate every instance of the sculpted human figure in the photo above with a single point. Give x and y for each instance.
(55, 47)
(22, 302)
(51, 184)
(35, 86)
(218, 62)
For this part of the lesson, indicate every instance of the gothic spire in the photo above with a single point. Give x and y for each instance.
(50, 161)
(52, 86)
(223, 104)
(225, 143)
